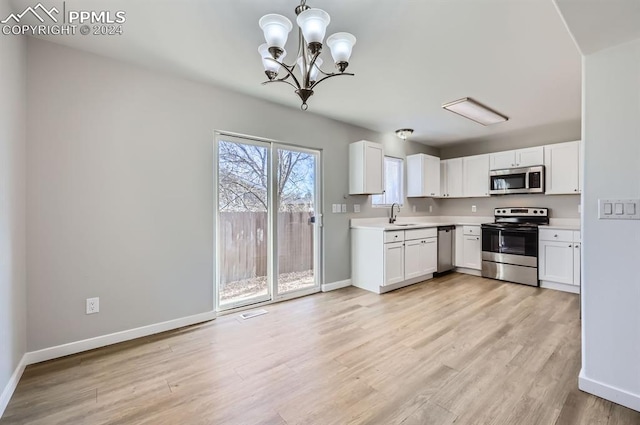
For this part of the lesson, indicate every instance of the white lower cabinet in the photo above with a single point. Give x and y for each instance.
(387, 260)
(394, 260)
(577, 247)
(472, 252)
(468, 248)
(420, 257)
(559, 259)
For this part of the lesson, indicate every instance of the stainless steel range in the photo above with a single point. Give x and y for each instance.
(510, 244)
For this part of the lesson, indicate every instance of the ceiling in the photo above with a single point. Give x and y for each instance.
(597, 24)
(411, 56)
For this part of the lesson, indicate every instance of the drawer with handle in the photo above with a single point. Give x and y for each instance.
(394, 236)
(556, 235)
(471, 230)
(431, 232)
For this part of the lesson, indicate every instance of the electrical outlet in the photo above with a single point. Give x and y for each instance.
(413, 208)
(430, 208)
(344, 208)
(473, 208)
(356, 208)
(93, 305)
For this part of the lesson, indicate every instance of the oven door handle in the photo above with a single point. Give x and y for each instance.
(511, 229)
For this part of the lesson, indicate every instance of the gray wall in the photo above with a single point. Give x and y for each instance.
(561, 206)
(611, 249)
(538, 136)
(12, 202)
(120, 190)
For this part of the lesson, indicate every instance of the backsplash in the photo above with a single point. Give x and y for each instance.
(560, 206)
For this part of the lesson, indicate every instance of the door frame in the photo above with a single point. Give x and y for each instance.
(273, 295)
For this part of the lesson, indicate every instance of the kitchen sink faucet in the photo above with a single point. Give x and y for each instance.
(392, 219)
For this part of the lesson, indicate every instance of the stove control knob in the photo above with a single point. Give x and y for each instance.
(535, 211)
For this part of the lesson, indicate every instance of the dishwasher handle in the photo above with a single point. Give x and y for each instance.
(446, 228)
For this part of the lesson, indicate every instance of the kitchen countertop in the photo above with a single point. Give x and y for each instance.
(383, 224)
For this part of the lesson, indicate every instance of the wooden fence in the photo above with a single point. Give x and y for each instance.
(244, 246)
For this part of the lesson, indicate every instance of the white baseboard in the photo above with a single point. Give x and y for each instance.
(114, 338)
(408, 282)
(608, 392)
(336, 285)
(560, 286)
(5, 397)
(468, 271)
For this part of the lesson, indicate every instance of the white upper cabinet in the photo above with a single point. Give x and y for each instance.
(517, 158)
(562, 166)
(423, 175)
(475, 176)
(451, 178)
(366, 164)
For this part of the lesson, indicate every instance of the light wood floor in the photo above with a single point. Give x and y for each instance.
(456, 349)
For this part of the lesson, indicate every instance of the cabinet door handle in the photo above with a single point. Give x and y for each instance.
(570, 246)
(577, 246)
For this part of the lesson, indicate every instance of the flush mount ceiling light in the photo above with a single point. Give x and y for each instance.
(312, 25)
(404, 133)
(475, 111)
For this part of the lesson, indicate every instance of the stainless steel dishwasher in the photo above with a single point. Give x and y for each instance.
(445, 248)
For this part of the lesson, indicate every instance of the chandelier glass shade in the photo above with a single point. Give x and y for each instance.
(305, 73)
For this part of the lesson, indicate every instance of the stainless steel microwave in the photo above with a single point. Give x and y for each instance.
(517, 180)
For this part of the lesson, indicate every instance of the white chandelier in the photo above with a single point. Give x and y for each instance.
(312, 25)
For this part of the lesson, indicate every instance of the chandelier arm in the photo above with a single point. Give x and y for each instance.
(281, 80)
(329, 76)
(289, 72)
(313, 62)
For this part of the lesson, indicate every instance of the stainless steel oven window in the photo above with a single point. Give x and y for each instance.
(510, 242)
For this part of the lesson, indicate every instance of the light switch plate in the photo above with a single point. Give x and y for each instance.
(619, 209)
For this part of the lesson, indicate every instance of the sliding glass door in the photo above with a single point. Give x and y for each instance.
(267, 230)
(296, 226)
(243, 217)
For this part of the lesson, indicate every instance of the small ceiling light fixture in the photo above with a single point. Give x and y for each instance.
(312, 25)
(404, 133)
(475, 111)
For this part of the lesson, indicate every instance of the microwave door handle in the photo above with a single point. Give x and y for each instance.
(526, 180)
